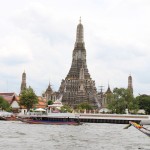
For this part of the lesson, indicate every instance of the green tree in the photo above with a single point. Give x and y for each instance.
(123, 99)
(66, 108)
(28, 98)
(83, 106)
(4, 105)
(144, 102)
(50, 102)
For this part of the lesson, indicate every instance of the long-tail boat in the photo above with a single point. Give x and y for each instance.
(139, 127)
(52, 120)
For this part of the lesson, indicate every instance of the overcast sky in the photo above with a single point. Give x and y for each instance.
(38, 36)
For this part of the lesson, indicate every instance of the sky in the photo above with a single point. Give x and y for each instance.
(38, 37)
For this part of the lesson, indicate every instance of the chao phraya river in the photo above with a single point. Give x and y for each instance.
(89, 136)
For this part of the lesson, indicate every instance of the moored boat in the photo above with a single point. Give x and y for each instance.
(11, 118)
(2, 118)
(7, 116)
(59, 119)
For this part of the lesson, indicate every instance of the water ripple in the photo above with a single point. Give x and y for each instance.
(20, 136)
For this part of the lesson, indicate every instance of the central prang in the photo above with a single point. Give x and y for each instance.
(78, 87)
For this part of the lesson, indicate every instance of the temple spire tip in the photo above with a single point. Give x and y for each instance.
(80, 20)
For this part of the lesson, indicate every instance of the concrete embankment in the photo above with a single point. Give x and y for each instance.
(112, 118)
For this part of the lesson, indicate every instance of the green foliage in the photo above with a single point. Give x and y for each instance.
(83, 106)
(122, 99)
(50, 102)
(4, 105)
(66, 108)
(28, 98)
(144, 102)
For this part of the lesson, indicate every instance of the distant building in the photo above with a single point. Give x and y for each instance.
(105, 97)
(130, 86)
(55, 107)
(13, 100)
(23, 82)
(78, 87)
(49, 94)
(42, 102)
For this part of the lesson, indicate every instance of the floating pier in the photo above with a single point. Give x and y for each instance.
(111, 118)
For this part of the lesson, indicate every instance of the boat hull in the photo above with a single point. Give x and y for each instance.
(51, 121)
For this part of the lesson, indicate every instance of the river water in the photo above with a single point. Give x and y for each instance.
(15, 135)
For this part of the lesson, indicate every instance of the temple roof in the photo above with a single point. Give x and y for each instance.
(9, 97)
(49, 89)
(108, 90)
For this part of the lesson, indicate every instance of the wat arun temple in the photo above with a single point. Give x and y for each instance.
(78, 86)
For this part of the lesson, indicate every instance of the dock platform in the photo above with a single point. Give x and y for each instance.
(112, 118)
(94, 118)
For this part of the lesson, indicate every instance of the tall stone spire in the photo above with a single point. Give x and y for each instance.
(130, 87)
(78, 87)
(79, 56)
(23, 83)
(79, 34)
